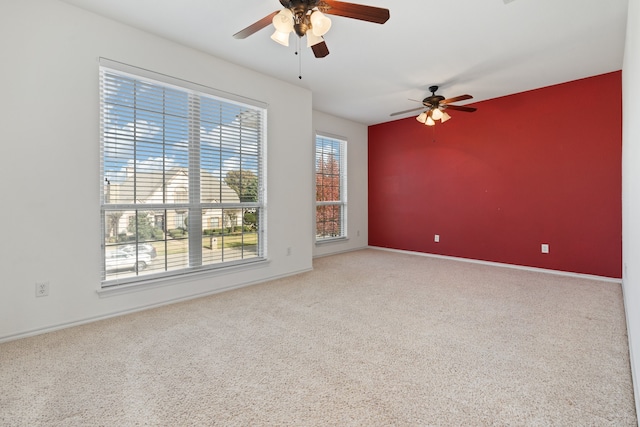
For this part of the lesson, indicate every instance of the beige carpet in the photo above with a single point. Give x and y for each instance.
(369, 338)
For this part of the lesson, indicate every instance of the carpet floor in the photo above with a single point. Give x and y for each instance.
(368, 338)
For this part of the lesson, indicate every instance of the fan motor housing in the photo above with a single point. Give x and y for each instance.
(296, 5)
(433, 100)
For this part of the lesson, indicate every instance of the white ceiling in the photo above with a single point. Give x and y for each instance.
(486, 48)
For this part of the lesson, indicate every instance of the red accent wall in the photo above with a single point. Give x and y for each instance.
(542, 166)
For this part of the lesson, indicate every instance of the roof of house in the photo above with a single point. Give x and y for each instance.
(146, 184)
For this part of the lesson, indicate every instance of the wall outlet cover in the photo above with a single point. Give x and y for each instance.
(42, 289)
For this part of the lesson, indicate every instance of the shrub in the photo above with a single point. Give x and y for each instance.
(176, 233)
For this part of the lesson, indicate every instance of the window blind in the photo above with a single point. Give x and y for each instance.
(331, 189)
(182, 176)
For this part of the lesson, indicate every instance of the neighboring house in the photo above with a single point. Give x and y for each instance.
(151, 191)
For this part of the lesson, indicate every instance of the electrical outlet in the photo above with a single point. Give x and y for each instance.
(436, 238)
(544, 248)
(42, 289)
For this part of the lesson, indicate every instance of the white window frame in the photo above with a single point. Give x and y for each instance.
(336, 146)
(194, 205)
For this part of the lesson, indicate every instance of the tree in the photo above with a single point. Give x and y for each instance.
(245, 183)
(143, 228)
(113, 219)
(232, 216)
(250, 219)
(328, 217)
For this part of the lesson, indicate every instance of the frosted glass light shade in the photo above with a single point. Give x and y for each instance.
(320, 24)
(422, 117)
(436, 114)
(312, 39)
(445, 117)
(429, 121)
(283, 21)
(280, 37)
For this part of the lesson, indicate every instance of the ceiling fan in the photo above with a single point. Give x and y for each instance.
(436, 106)
(306, 17)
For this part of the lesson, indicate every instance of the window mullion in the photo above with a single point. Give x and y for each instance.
(195, 211)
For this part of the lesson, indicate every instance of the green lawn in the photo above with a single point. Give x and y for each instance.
(180, 246)
(234, 240)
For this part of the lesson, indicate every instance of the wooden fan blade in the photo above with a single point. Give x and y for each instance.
(456, 99)
(406, 111)
(256, 26)
(460, 108)
(320, 50)
(377, 15)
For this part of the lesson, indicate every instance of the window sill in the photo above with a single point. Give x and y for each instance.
(156, 282)
(332, 240)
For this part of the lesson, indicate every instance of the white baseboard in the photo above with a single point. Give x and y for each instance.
(632, 359)
(64, 325)
(341, 251)
(499, 264)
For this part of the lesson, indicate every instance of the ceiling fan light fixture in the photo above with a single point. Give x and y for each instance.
(320, 24)
(429, 121)
(280, 37)
(436, 106)
(283, 21)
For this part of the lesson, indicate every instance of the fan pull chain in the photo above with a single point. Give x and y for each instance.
(299, 53)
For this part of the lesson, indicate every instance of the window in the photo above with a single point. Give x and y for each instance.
(331, 188)
(177, 158)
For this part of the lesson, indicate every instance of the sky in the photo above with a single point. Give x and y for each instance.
(149, 125)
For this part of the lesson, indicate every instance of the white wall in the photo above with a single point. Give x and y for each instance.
(49, 179)
(631, 188)
(356, 135)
